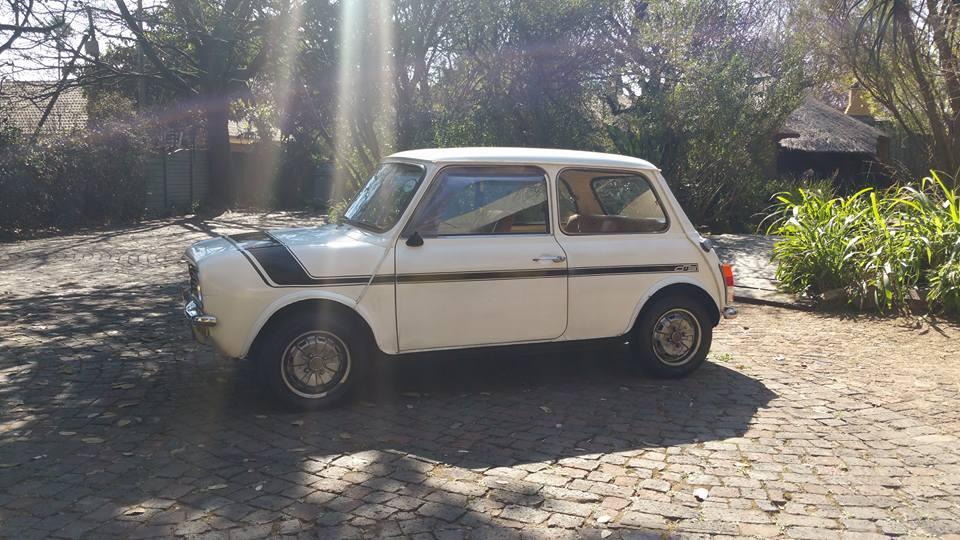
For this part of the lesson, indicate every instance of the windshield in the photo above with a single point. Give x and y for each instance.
(379, 204)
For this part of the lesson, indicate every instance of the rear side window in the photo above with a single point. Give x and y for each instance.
(607, 202)
(484, 200)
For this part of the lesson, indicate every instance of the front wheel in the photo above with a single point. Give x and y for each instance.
(312, 362)
(672, 337)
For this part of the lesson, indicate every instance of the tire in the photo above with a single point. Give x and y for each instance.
(667, 327)
(312, 361)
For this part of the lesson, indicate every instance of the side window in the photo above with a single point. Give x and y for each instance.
(609, 203)
(484, 200)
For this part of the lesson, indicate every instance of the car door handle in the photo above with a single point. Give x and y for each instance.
(550, 258)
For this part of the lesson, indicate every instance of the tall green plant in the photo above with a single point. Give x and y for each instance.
(879, 248)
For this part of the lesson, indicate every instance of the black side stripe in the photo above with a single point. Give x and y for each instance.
(621, 270)
(285, 270)
(481, 276)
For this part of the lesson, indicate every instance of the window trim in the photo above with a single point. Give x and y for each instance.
(613, 172)
(434, 185)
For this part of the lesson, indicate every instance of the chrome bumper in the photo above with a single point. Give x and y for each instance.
(199, 321)
(729, 312)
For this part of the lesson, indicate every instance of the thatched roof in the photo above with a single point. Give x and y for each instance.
(817, 127)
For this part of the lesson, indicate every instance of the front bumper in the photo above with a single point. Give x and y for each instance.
(200, 322)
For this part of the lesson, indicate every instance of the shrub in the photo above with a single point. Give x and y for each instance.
(87, 179)
(875, 248)
(945, 288)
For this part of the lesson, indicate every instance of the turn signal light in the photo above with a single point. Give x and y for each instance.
(727, 272)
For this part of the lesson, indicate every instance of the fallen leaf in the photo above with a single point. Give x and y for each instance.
(701, 494)
(123, 422)
(604, 519)
(779, 358)
(128, 404)
(297, 423)
(135, 512)
(345, 435)
(605, 533)
(558, 426)
(545, 409)
(68, 433)
(123, 386)
(216, 487)
(92, 440)
(258, 487)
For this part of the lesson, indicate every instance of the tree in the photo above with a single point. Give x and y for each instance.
(523, 73)
(906, 53)
(204, 54)
(23, 18)
(700, 88)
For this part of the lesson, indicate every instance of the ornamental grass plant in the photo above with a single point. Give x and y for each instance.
(873, 249)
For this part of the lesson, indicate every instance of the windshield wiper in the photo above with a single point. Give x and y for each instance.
(356, 223)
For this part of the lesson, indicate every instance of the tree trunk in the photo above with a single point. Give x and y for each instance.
(943, 158)
(222, 193)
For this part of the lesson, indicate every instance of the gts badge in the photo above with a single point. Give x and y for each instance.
(685, 268)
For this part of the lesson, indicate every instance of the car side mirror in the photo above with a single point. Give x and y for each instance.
(415, 240)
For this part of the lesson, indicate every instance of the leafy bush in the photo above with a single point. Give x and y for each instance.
(875, 249)
(945, 288)
(87, 179)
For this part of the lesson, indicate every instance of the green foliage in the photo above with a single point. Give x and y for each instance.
(877, 248)
(945, 288)
(72, 181)
(707, 90)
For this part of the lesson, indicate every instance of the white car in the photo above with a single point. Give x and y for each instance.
(463, 248)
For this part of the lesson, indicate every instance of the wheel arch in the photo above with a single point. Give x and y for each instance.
(685, 287)
(333, 305)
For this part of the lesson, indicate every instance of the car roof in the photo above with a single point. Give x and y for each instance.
(527, 156)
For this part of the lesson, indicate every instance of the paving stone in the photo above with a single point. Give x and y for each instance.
(115, 423)
(442, 511)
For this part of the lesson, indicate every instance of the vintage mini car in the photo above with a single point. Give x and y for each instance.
(466, 248)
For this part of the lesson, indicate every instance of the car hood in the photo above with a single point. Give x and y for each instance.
(303, 256)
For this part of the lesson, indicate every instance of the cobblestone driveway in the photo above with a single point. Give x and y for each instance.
(113, 423)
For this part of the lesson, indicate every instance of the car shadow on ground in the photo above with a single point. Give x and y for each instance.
(104, 395)
(499, 409)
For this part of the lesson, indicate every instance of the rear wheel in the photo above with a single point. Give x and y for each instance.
(312, 362)
(672, 337)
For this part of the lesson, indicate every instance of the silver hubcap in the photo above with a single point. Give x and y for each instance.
(315, 363)
(676, 337)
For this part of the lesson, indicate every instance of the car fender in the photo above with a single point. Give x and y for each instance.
(662, 284)
(299, 296)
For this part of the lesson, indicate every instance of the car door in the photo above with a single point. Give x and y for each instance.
(620, 243)
(488, 269)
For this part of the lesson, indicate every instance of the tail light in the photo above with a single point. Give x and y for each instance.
(727, 272)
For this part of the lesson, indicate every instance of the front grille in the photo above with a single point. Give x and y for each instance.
(194, 280)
